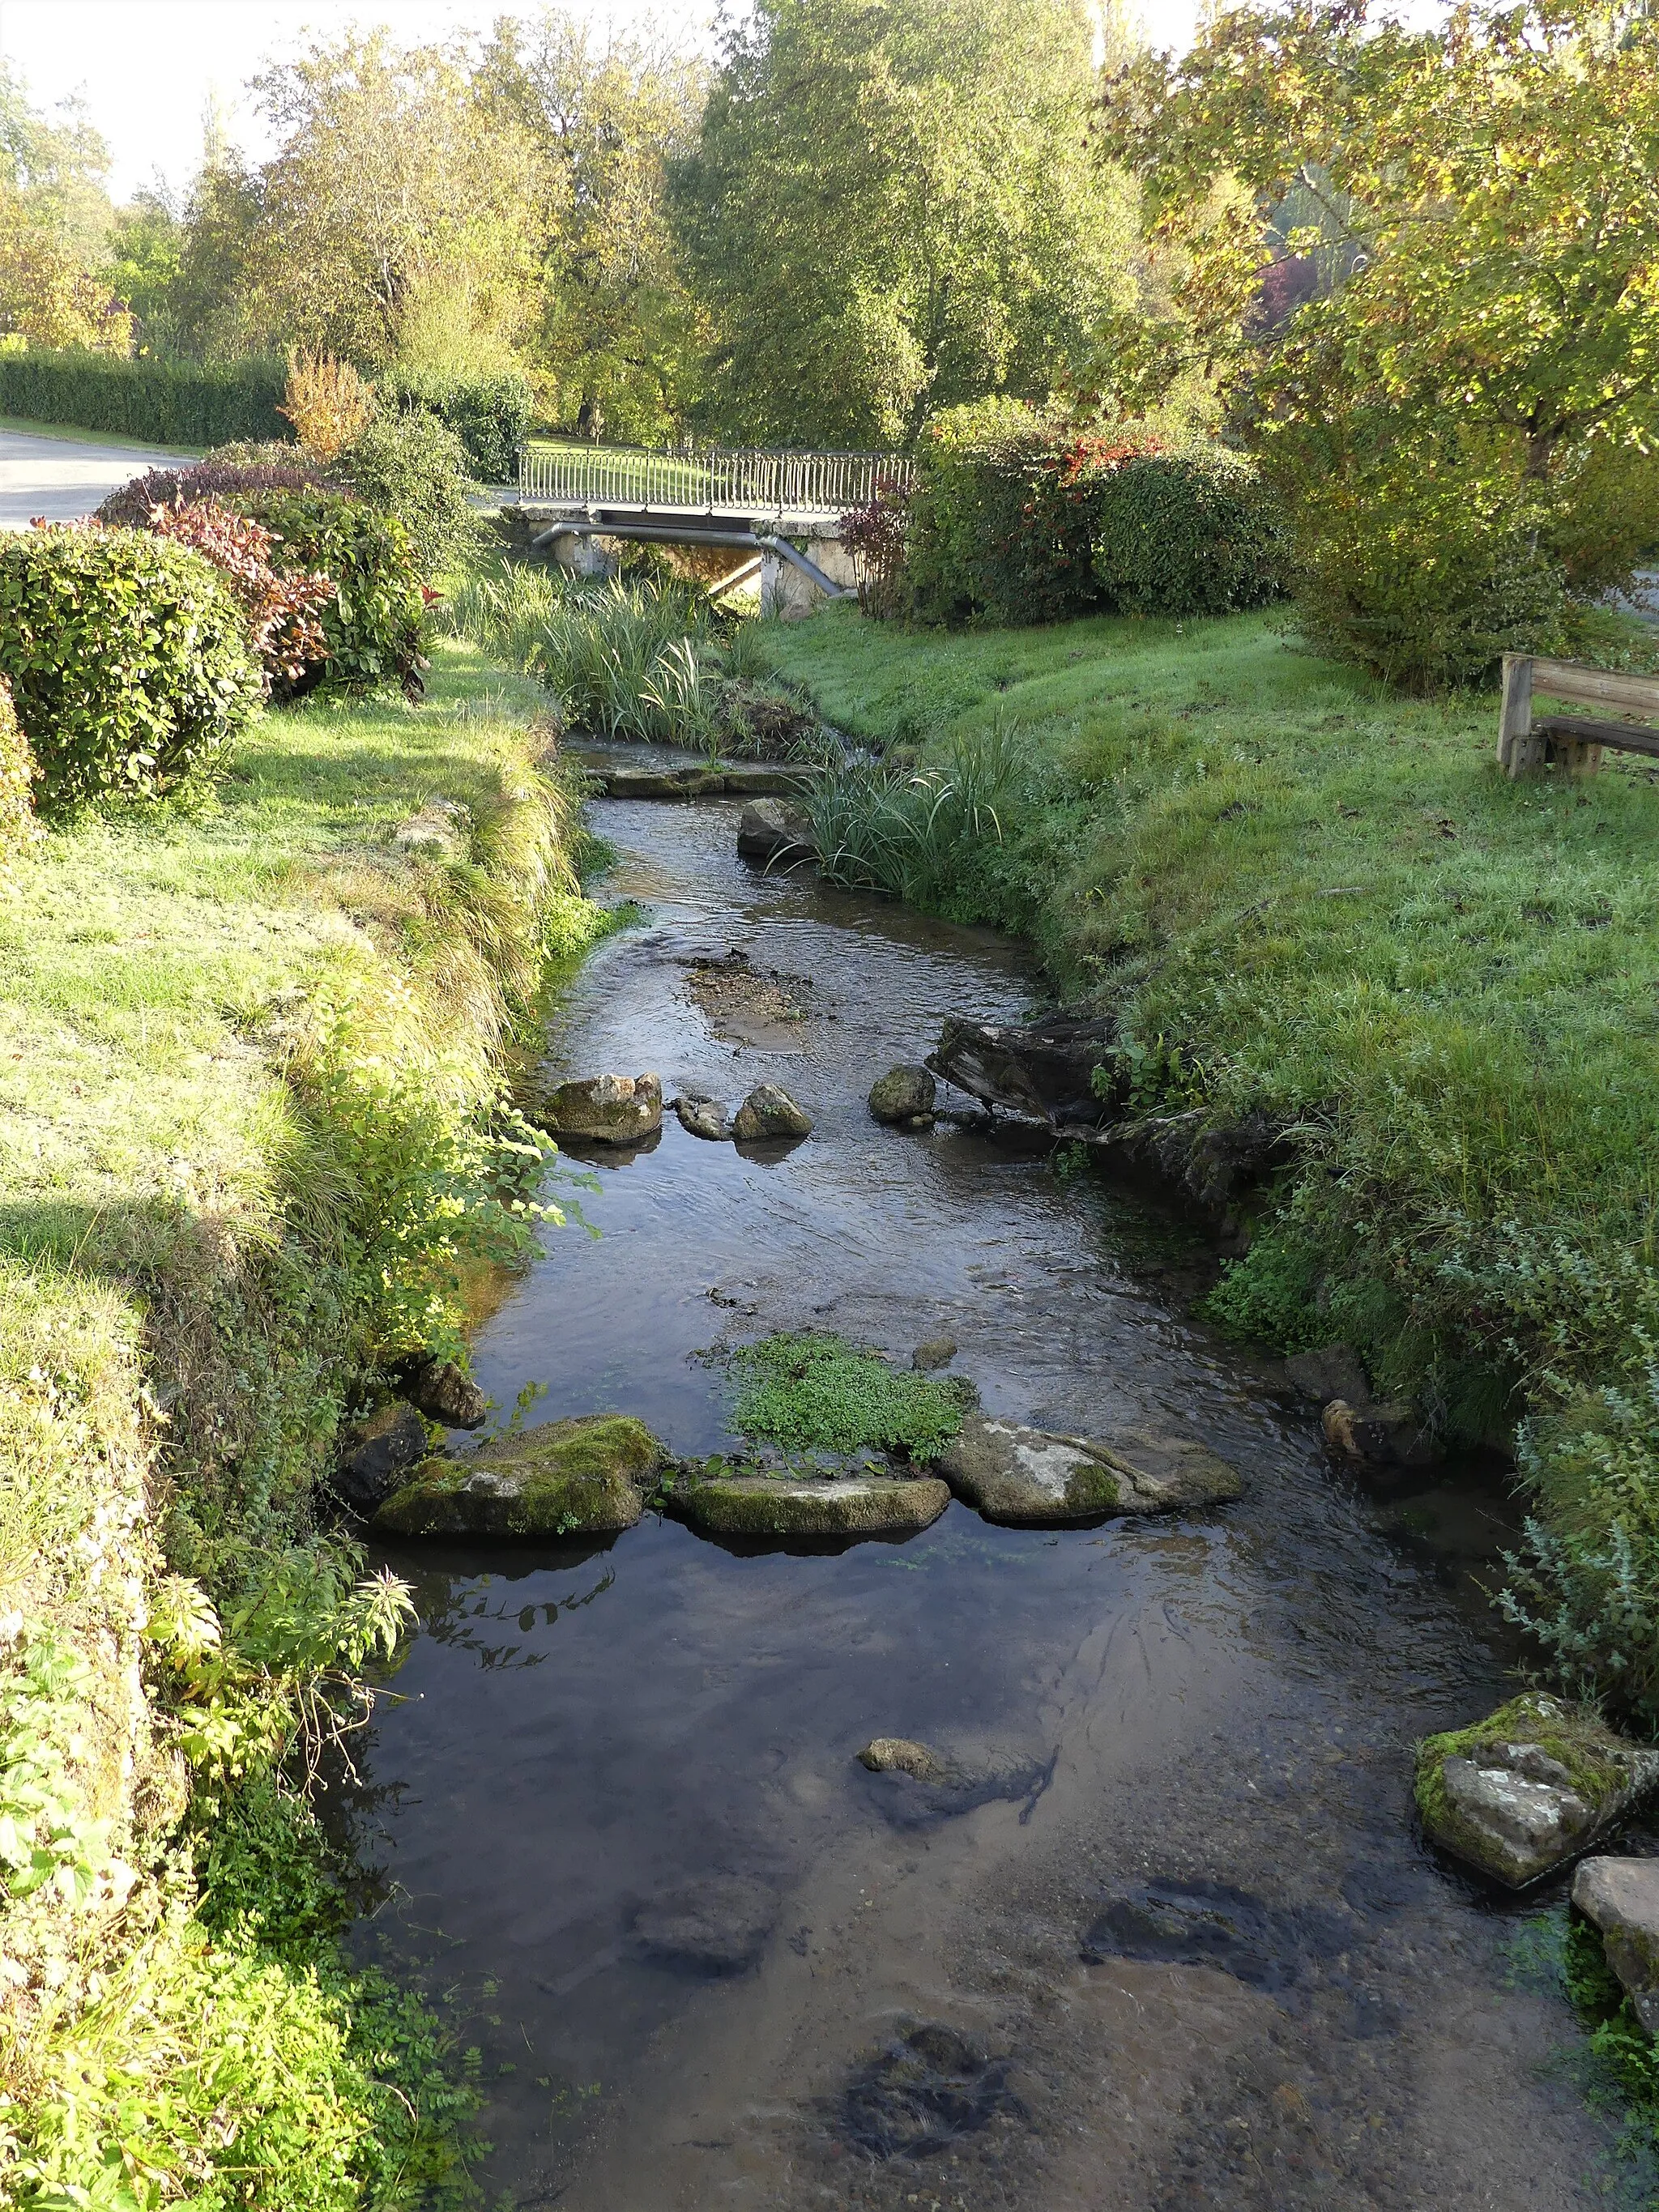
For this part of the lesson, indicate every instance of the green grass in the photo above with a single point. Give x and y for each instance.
(817, 1393)
(254, 1141)
(1306, 898)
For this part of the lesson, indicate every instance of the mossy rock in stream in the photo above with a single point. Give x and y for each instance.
(725, 1498)
(1529, 1788)
(571, 1478)
(1032, 1476)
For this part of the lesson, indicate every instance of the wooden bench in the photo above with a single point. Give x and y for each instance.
(1573, 742)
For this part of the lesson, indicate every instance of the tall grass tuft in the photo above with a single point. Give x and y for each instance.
(920, 835)
(621, 657)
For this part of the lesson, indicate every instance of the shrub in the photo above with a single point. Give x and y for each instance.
(130, 508)
(491, 416)
(328, 403)
(1416, 555)
(1017, 519)
(128, 660)
(412, 466)
(281, 610)
(1185, 534)
(168, 403)
(375, 622)
(19, 772)
(875, 535)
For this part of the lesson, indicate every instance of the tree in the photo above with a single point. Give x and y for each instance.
(619, 333)
(1482, 197)
(398, 222)
(892, 208)
(55, 222)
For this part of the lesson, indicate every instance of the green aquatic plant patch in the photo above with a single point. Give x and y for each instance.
(1303, 897)
(817, 1393)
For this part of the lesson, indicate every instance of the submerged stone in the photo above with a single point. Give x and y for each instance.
(896, 1754)
(1526, 1790)
(617, 1110)
(937, 1352)
(728, 1500)
(587, 1476)
(1621, 1898)
(905, 1093)
(771, 1112)
(379, 1452)
(715, 1926)
(1015, 1473)
(924, 2091)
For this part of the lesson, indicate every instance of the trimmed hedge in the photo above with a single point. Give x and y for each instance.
(176, 402)
(375, 622)
(170, 402)
(490, 415)
(1016, 519)
(1186, 534)
(129, 661)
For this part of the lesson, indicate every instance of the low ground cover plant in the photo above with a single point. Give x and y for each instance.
(128, 659)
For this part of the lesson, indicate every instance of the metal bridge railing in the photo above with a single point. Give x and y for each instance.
(627, 475)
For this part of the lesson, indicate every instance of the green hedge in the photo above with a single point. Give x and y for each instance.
(1017, 518)
(167, 401)
(234, 403)
(491, 416)
(376, 622)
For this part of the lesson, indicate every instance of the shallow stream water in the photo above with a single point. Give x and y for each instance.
(1175, 1942)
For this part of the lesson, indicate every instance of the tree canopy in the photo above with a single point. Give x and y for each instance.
(894, 206)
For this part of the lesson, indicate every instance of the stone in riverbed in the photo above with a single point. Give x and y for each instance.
(702, 1117)
(903, 1094)
(937, 1352)
(718, 1926)
(379, 1452)
(1332, 1371)
(1388, 1435)
(768, 1112)
(896, 1754)
(772, 831)
(728, 1500)
(1621, 1898)
(1014, 1473)
(617, 1110)
(444, 1393)
(582, 1476)
(1529, 1789)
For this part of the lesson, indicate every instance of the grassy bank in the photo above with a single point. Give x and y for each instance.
(254, 1142)
(1307, 898)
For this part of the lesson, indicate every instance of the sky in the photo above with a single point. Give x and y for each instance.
(148, 69)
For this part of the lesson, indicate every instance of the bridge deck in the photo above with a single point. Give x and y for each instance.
(689, 524)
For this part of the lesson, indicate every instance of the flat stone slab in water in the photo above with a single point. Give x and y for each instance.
(1014, 1473)
(569, 1478)
(1172, 1922)
(711, 1927)
(926, 2090)
(1530, 1788)
(729, 1504)
(1621, 1898)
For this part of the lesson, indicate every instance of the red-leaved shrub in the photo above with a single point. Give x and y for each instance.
(131, 507)
(281, 610)
(874, 535)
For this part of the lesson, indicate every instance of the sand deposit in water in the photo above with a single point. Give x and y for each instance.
(1162, 1935)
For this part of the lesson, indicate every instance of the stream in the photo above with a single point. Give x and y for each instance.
(1176, 1943)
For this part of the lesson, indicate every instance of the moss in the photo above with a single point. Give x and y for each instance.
(1091, 1487)
(582, 1476)
(1574, 1736)
(726, 1499)
(816, 1392)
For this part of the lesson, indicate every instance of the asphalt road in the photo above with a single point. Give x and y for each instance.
(62, 479)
